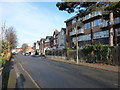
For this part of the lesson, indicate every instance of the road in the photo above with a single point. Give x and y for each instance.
(53, 74)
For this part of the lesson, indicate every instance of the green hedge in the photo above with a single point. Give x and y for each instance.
(0, 59)
(97, 53)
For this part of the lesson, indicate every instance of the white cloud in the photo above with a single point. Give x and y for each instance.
(30, 0)
(31, 22)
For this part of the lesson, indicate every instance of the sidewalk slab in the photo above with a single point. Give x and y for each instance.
(19, 78)
(12, 79)
(0, 82)
(93, 65)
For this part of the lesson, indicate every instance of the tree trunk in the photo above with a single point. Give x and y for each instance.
(111, 29)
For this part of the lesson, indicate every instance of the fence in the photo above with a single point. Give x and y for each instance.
(116, 55)
(71, 55)
(55, 52)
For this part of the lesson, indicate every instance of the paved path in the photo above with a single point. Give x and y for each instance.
(0, 80)
(52, 74)
(19, 78)
(0, 77)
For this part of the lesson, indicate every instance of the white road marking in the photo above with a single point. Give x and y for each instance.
(29, 76)
(1, 68)
(0, 73)
(116, 84)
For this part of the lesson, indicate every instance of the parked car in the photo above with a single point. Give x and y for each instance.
(14, 53)
(26, 54)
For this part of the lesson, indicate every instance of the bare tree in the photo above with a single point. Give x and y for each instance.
(11, 38)
(2, 37)
(24, 47)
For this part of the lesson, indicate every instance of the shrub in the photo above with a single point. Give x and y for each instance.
(97, 53)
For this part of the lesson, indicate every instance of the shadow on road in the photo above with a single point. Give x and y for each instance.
(20, 81)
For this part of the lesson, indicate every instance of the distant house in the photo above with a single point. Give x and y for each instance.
(16, 50)
(29, 49)
(48, 43)
(42, 45)
(62, 39)
(36, 48)
(55, 39)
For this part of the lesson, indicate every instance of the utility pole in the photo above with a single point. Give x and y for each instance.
(111, 29)
(91, 27)
(76, 41)
(77, 50)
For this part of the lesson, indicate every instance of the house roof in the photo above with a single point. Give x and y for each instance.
(55, 32)
(70, 18)
(42, 39)
(49, 37)
(64, 29)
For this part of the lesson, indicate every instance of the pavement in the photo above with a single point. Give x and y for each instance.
(93, 65)
(1, 78)
(20, 78)
(55, 74)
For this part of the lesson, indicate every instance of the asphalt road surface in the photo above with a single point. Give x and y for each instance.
(53, 74)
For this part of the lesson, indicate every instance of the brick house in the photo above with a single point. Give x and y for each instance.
(42, 45)
(36, 48)
(29, 49)
(55, 39)
(92, 25)
(48, 43)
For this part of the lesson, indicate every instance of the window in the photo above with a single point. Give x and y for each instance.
(106, 22)
(117, 20)
(47, 40)
(79, 19)
(87, 17)
(62, 32)
(73, 21)
(42, 42)
(85, 37)
(95, 13)
(73, 39)
(87, 26)
(54, 35)
(102, 34)
(97, 22)
(118, 31)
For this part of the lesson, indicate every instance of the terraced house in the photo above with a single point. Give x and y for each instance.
(91, 29)
(42, 45)
(48, 42)
(62, 39)
(55, 39)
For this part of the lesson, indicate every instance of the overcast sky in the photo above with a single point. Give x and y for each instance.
(32, 20)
